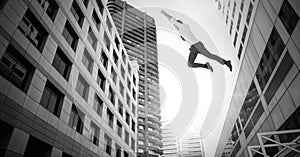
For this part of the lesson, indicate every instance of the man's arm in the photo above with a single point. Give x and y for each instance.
(168, 16)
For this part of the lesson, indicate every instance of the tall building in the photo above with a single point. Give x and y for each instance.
(138, 33)
(187, 145)
(264, 114)
(67, 86)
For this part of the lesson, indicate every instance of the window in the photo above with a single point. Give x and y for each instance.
(104, 59)
(141, 142)
(239, 22)
(77, 13)
(115, 57)
(284, 67)
(233, 9)
(132, 125)
(230, 29)
(117, 42)
(119, 129)
(124, 57)
(113, 75)
(240, 51)
(132, 144)
(96, 20)
(85, 2)
(107, 145)
(122, 72)
(126, 154)
(134, 94)
(82, 87)
(76, 119)
(110, 118)
(95, 133)
(128, 100)
(288, 16)
(2, 4)
(127, 117)
(52, 99)
(249, 13)
(92, 39)
(141, 135)
(50, 7)
(235, 38)
(271, 55)
(100, 5)
(244, 34)
(242, 5)
(134, 80)
(133, 109)
(118, 151)
(249, 103)
(142, 120)
(120, 109)
(62, 64)
(101, 80)
(128, 84)
(106, 41)
(87, 61)
(33, 30)
(121, 88)
(111, 96)
(16, 68)
(108, 23)
(129, 69)
(142, 127)
(98, 105)
(33, 143)
(70, 35)
(126, 137)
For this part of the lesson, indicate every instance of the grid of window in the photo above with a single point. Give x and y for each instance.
(76, 119)
(87, 61)
(77, 13)
(16, 68)
(98, 105)
(92, 39)
(82, 87)
(50, 7)
(33, 30)
(101, 80)
(62, 64)
(288, 16)
(70, 35)
(52, 99)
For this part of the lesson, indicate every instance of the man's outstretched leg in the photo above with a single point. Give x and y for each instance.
(192, 64)
(209, 55)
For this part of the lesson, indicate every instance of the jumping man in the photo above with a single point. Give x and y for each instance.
(196, 45)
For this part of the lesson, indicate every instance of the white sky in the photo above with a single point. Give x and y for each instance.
(209, 26)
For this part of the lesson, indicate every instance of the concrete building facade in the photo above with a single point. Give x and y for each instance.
(263, 116)
(62, 90)
(138, 33)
